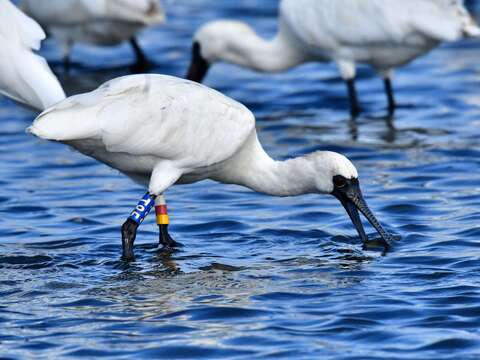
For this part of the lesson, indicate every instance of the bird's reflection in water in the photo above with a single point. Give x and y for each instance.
(353, 128)
(319, 124)
(390, 135)
(156, 288)
(167, 265)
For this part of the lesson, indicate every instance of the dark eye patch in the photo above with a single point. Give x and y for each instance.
(339, 181)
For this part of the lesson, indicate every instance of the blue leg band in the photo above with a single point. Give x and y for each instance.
(143, 208)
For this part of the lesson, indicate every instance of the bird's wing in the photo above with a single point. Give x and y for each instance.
(152, 115)
(18, 28)
(338, 23)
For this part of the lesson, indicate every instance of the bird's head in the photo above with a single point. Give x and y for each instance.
(337, 176)
(214, 42)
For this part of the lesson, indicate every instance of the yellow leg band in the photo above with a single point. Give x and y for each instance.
(162, 220)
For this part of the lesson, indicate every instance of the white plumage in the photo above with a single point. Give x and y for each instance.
(161, 130)
(24, 76)
(382, 33)
(96, 22)
(138, 123)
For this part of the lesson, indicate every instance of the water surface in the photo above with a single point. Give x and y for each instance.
(258, 277)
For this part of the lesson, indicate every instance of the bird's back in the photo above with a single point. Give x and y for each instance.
(351, 23)
(75, 12)
(155, 116)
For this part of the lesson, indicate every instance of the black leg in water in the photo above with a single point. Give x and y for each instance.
(391, 98)
(129, 233)
(352, 94)
(165, 239)
(142, 63)
(129, 228)
(67, 64)
(163, 220)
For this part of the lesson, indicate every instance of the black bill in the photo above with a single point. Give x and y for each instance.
(199, 66)
(350, 195)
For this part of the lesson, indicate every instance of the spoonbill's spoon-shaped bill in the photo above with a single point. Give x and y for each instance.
(384, 34)
(162, 131)
(24, 76)
(96, 22)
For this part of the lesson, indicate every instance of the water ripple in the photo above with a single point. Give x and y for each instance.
(257, 277)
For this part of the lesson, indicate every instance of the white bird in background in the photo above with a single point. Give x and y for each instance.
(382, 33)
(96, 22)
(24, 76)
(161, 130)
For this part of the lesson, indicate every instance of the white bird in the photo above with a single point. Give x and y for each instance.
(161, 131)
(96, 22)
(24, 76)
(384, 34)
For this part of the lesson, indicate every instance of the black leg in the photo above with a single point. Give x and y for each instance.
(165, 239)
(142, 63)
(66, 60)
(352, 94)
(390, 96)
(129, 233)
(129, 228)
(162, 221)
(66, 63)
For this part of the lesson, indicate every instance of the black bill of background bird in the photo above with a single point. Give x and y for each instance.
(199, 66)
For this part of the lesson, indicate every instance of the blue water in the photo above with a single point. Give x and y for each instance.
(258, 277)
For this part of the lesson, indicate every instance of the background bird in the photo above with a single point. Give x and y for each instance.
(384, 34)
(24, 76)
(97, 22)
(161, 131)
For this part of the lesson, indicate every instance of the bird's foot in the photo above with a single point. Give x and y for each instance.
(166, 241)
(129, 233)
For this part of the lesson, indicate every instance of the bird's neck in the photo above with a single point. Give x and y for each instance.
(250, 50)
(254, 168)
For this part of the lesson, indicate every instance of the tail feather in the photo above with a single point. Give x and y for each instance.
(66, 121)
(469, 25)
(471, 30)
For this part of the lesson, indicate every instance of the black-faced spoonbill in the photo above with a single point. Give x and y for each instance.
(24, 76)
(382, 33)
(161, 131)
(96, 22)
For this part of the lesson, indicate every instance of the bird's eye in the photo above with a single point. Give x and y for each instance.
(339, 181)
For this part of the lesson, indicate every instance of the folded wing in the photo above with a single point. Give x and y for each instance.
(151, 115)
(375, 22)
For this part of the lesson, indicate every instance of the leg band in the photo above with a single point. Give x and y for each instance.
(161, 211)
(143, 208)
